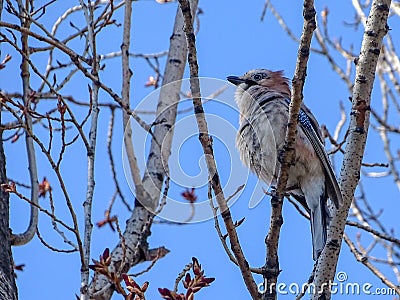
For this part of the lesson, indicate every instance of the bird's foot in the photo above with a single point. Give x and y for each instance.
(288, 190)
(282, 156)
(271, 270)
(275, 199)
(292, 188)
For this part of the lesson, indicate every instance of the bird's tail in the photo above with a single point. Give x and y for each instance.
(319, 218)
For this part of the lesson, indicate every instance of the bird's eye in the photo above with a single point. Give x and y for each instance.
(259, 76)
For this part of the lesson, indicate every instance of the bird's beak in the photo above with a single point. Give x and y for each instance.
(235, 80)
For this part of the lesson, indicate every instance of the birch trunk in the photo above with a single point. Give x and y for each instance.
(376, 28)
(138, 225)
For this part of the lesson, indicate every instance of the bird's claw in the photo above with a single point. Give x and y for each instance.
(282, 157)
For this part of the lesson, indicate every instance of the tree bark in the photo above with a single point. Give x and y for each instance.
(8, 288)
(376, 29)
(138, 225)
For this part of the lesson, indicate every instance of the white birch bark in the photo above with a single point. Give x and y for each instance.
(91, 151)
(375, 30)
(138, 225)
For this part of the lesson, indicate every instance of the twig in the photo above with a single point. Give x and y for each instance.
(181, 275)
(335, 143)
(221, 236)
(19, 195)
(331, 60)
(341, 122)
(58, 174)
(47, 245)
(111, 158)
(58, 96)
(264, 11)
(152, 264)
(304, 287)
(386, 147)
(286, 28)
(368, 264)
(77, 59)
(375, 165)
(55, 226)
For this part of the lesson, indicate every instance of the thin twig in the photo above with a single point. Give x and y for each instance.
(368, 264)
(181, 275)
(111, 158)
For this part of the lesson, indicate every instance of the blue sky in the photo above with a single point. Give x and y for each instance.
(232, 40)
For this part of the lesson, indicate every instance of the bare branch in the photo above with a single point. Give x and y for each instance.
(24, 238)
(111, 158)
(94, 98)
(138, 225)
(376, 29)
(272, 269)
(364, 260)
(208, 150)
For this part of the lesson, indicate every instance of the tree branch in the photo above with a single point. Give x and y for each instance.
(138, 225)
(207, 144)
(272, 260)
(126, 85)
(24, 238)
(364, 260)
(94, 99)
(375, 30)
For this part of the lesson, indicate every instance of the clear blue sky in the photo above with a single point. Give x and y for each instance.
(232, 40)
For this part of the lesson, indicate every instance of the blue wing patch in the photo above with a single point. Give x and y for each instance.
(305, 120)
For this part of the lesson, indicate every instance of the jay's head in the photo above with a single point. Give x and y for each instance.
(271, 80)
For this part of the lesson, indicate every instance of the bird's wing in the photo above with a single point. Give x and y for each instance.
(313, 121)
(310, 127)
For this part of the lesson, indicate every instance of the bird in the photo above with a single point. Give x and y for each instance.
(263, 99)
